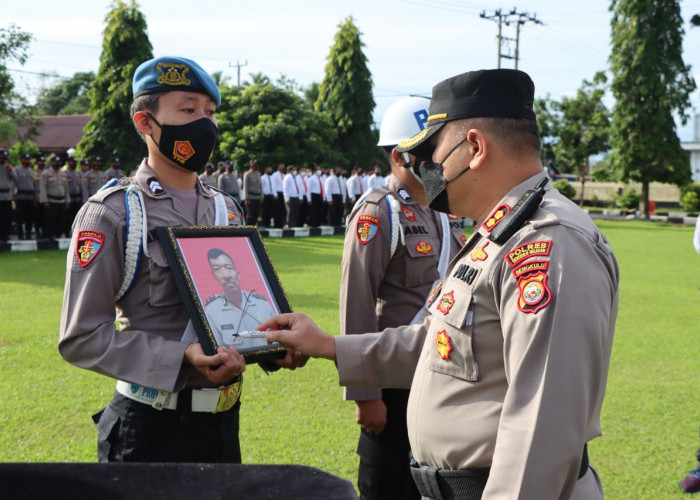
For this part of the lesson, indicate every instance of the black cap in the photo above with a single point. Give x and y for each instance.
(115, 159)
(4, 153)
(84, 162)
(25, 156)
(490, 93)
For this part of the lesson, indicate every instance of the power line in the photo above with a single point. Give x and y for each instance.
(519, 18)
(49, 75)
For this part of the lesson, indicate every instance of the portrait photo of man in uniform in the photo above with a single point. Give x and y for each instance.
(229, 286)
(234, 314)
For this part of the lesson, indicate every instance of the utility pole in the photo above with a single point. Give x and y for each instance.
(519, 18)
(238, 67)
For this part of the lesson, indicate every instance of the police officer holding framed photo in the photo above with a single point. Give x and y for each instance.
(172, 403)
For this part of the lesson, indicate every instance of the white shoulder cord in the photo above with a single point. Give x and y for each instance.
(396, 229)
(136, 237)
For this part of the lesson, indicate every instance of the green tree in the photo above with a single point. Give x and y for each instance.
(274, 125)
(14, 44)
(651, 83)
(346, 94)
(125, 45)
(583, 128)
(69, 97)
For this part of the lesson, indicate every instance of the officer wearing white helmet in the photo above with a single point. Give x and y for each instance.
(394, 247)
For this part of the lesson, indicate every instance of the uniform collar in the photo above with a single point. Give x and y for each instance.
(151, 185)
(400, 190)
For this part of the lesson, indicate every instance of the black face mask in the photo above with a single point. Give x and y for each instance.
(434, 182)
(189, 145)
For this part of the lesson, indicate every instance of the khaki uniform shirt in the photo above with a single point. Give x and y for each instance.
(53, 187)
(8, 182)
(378, 290)
(227, 319)
(26, 179)
(147, 349)
(74, 187)
(511, 365)
(93, 180)
(252, 186)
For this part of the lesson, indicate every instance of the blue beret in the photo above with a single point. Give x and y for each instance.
(164, 74)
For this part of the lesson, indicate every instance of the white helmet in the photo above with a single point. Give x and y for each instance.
(404, 119)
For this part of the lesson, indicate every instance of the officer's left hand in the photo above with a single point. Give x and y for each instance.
(219, 368)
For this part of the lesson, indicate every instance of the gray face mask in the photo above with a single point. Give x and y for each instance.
(434, 183)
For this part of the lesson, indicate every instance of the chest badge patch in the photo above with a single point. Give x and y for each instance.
(88, 246)
(367, 228)
(496, 217)
(231, 217)
(446, 302)
(534, 293)
(479, 253)
(410, 214)
(182, 151)
(424, 247)
(443, 343)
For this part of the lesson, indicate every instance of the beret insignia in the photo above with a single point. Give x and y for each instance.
(173, 74)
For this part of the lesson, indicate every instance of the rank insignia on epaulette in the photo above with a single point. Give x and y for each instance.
(410, 214)
(424, 247)
(88, 245)
(479, 253)
(496, 217)
(463, 239)
(367, 228)
(173, 74)
(443, 342)
(446, 302)
(404, 194)
(534, 293)
(182, 151)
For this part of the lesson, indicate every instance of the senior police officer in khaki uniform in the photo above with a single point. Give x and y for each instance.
(511, 365)
(54, 195)
(234, 314)
(171, 404)
(395, 250)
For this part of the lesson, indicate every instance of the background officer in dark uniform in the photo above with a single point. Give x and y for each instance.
(26, 197)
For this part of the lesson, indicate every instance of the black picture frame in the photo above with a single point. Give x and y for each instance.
(218, 319)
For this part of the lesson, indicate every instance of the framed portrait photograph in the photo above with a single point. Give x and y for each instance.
(229, 286)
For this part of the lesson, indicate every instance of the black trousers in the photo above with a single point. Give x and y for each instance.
(25, 218)
(55, 220)
(293, 212)
(252, 211)
(384, 471)
(72, 211)
(130, 431)
(316, 210)
(335, 211)
(278, 211)
(267, 203)
(5, 219)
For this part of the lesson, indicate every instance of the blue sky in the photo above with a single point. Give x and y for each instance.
(410, 44)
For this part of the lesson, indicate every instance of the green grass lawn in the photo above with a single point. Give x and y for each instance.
(650, 417)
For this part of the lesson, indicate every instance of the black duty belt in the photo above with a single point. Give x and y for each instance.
(59, 198)
(22, 191)
(463, 484)
(5, 190)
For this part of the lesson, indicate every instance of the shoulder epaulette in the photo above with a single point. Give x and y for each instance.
(212, 298)
(256, 296)
(375, 196)
(110, 188)
(517, 216)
